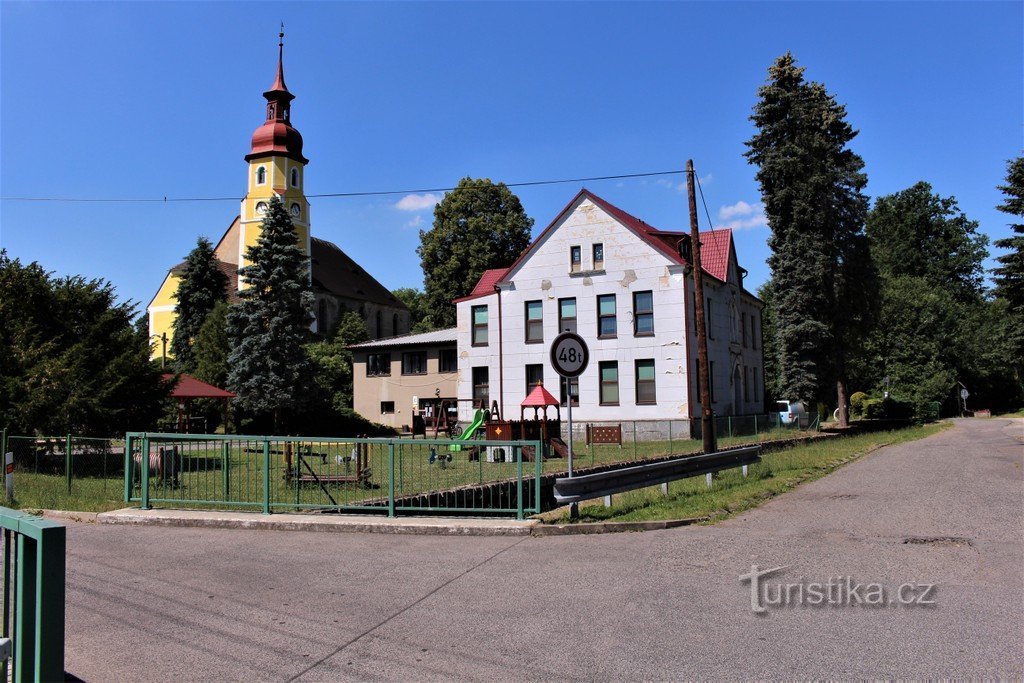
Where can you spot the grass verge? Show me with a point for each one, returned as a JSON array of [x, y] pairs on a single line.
[[731, 493]]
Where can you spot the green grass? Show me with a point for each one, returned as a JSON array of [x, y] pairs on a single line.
[[731, 493], [1018, 413], [202, 482]]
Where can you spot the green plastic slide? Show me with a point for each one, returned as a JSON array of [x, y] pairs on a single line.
[[467, 434]]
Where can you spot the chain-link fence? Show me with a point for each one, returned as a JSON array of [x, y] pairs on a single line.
[[66, 472]]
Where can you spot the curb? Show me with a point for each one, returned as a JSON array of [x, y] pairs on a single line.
[[432, 526], [583, 529], [68, 515]]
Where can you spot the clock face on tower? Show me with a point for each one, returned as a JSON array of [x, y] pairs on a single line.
[[261, 208], [296, 210]]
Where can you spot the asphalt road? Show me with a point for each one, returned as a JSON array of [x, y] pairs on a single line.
[[189, 604]]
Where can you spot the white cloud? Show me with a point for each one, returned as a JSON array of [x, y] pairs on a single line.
[[417, 202], [744, 216], [678, 187], [706, 180], [416, 222]]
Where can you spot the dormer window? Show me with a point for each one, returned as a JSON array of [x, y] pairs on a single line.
[[261, 176], [295, 177]]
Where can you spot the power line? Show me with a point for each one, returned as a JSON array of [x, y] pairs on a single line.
[[376, 193], [711, 224]]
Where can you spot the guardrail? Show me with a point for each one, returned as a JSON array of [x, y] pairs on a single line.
[[588, 486], [378, 475], [34, 587]]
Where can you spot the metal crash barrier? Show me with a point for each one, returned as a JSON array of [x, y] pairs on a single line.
[[589, 486]]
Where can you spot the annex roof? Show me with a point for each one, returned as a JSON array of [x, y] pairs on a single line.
[[445, 336], [190, 387], [539, 397], [485, 285]]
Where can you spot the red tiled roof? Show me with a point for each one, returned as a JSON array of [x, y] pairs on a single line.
[[190, 387], [485, 285], [715, 249], [539, 397]]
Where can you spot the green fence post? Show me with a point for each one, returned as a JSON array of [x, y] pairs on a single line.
[[67, 461], [266, 476], [538, 464], [538, 455], [391, 479], [127, 468], [144, 474], [225, 454]]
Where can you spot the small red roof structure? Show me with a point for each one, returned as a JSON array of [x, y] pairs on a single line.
[[539, 397], [190, 387], [485, 285]]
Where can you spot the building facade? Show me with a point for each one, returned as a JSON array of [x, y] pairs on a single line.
[[277, 167], [396, 378], [626, 288]]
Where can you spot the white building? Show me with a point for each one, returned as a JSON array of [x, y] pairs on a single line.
[[625, 287]]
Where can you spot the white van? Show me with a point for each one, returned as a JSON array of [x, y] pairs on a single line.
[[791, 412]]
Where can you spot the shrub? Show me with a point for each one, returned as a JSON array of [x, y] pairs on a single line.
[[857, 403], [887, 409]]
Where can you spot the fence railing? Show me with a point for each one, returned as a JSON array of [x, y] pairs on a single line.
[[33, 597], [382, 475]]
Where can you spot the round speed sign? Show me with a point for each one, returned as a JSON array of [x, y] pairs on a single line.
[[569, 355]]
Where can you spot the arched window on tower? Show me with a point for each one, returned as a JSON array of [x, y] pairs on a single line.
[[394, 324], [380, 332], [295, 177], [261, 176]]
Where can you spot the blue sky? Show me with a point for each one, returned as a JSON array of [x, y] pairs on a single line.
[[160, 99]]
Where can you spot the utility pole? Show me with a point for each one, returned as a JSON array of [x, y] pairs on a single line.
[[163, 356], [707, 420]]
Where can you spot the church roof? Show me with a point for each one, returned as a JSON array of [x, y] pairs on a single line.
[[336, 272]]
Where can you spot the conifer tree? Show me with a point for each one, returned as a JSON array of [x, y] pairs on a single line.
[[268, 329], [812, 186], [202, 285], [1009, 276], [212, 347]]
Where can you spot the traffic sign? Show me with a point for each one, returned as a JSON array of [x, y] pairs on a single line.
[[569, 355]]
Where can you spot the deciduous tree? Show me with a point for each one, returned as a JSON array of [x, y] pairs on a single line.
[[477, 226]]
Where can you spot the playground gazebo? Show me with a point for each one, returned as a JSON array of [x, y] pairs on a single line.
[[187, 389], [539, 398]]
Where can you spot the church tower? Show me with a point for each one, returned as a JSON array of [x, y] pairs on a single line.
[[276, 166]]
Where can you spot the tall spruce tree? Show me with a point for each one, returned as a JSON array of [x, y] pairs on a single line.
[[269, 328], [202, 285], [812, 187], [212, 347], [477, 226], [1009, 275]]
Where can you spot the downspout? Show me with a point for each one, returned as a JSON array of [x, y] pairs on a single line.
[[501, 360]]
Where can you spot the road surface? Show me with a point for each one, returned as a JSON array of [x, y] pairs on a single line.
[[198, 604]]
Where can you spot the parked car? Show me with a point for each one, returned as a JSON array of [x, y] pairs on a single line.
[[791, 412]]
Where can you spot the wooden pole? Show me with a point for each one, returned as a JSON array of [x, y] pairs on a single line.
[[707, 421]]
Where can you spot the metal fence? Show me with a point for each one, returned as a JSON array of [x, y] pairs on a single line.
[[33, 598], [385, 476], [58, 471]]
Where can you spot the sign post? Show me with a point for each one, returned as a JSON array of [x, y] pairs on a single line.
[[569, 358]]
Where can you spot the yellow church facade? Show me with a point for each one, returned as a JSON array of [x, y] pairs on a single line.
[[276, 166]]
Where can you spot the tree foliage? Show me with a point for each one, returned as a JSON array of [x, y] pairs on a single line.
[[201, 286], [1009, 275], [333, 361], [477, 226], [268, 329], [419, 311], [812, 187], [917, 233], [212, 346], [72, 359]]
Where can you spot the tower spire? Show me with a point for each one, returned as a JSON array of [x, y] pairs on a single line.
[[279, 81]]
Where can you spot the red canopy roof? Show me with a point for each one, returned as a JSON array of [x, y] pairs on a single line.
[[190, 387], [539, 397]]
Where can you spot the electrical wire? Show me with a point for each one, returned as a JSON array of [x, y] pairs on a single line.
[[711, 224], [331, 195]]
